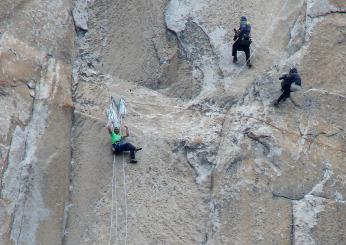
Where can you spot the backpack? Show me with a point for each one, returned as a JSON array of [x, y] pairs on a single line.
[[297, 83], [245, 28], [295, 87]]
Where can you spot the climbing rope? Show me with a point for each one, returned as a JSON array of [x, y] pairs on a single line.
[[125, 198], [114, 203], [114, 196]]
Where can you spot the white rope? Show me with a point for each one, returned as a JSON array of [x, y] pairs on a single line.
[[125, 194], [114, 196]]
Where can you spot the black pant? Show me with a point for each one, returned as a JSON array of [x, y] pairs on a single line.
[[118, 148], [285, 94], [238, 46]]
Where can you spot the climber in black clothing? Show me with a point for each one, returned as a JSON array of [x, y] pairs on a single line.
[[242, 40], [289, 80]]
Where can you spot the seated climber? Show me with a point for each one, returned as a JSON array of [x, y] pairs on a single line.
[[242, 40], [118, 144], [291, 83]]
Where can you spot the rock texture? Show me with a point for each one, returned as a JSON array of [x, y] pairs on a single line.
[[36, 50], [220, 164]]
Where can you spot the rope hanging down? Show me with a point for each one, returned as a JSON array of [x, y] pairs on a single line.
[[125, 197], [116, 114], [114, 194]]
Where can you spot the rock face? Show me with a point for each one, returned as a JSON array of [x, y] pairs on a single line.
[[220, 164], [36, 50]]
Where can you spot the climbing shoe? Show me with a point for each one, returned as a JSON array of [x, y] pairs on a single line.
[[276, 104], [235, 60], [139, 148], [133, 161], [248, 63]]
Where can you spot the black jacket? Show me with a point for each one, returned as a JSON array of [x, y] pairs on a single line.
[[288, 79]]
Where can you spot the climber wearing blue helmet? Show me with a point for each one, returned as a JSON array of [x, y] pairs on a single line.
[[242, 40], [245, 28]]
